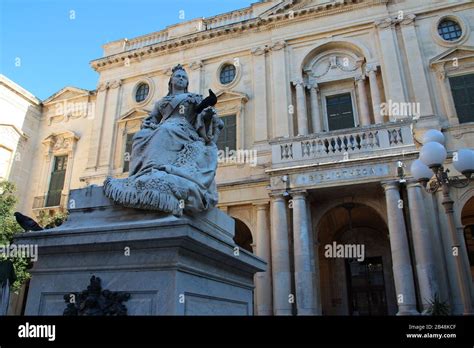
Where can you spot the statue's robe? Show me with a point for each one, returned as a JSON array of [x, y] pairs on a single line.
[[171, 169]]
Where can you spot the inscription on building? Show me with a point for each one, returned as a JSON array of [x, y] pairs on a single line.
[[342, 174]]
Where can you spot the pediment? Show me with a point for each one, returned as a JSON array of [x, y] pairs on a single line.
[[285, 6], [67, 93], [226, 96], [459, 53], [65, 135], [60, 142], [135, 113]]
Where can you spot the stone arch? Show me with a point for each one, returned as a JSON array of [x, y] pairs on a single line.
[[339, 275], [243, 235], [461, 202], [346, 44], [322, 210]]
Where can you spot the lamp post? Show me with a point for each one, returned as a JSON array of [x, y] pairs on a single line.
[[432, 156]]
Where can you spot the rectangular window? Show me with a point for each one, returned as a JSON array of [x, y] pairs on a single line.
[[128, 152], [462, 88], [228, 137], [339, 111], [56, 183]]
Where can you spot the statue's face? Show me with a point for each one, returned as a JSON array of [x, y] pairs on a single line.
[[179, 80]]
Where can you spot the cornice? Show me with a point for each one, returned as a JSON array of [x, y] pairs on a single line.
[[210, 35]]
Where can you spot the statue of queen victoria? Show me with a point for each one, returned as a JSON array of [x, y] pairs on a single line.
[[174, 155]]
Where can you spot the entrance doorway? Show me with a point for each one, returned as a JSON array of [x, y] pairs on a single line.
[[355, 283], [366, 287]]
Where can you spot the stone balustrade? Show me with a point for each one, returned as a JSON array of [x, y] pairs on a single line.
[[346, 144], [146, 40]]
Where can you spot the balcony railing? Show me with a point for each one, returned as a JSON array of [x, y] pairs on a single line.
[[344, 144], [50, 200]]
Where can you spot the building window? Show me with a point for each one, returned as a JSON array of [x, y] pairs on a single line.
[[227, 74], [228, 137], [128, 152], [56, 184], [449, 30], [142, 92], [462, 88], [339, 111]]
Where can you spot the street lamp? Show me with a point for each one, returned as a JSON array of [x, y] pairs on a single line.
[[432, 156]]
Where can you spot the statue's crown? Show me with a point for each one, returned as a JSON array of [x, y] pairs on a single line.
[[176, 68]]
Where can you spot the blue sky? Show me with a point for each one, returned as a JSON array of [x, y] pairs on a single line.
[[43, 49]]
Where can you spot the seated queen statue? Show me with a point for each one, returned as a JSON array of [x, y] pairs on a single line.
[[174, 155]]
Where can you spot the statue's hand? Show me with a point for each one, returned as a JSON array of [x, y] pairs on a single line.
[[209, 112]]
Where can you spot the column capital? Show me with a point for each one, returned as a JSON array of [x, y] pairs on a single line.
[[198, 64], [408, 19], [312, 86], [299, 194], [261, 205], [412, 182], [385, 23], [276, 46], [359, 78], [103, 86], [371, 68], [259, 50], [390, 185], [298, 83], [278, 195], [115, 83]]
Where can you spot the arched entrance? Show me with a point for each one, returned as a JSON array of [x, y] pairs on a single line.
[[467, 219], [243, 236], [355, 262]]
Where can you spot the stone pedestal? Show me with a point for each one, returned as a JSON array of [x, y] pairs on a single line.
[[170, 265]]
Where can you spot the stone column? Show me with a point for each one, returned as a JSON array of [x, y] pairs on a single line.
[[392, 66], [415, 67], [402, 270], [195, 76], [97, 125], [315, 115], [422, 245], [374, 92], [109, 131], [280, 91], [456, 302], [305, 277], [263, 280], [446, 96], [363, 103], [260, 87], [280, 257], [301, 108]]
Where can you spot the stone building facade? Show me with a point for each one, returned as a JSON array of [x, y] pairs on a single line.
[[328, 101]]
